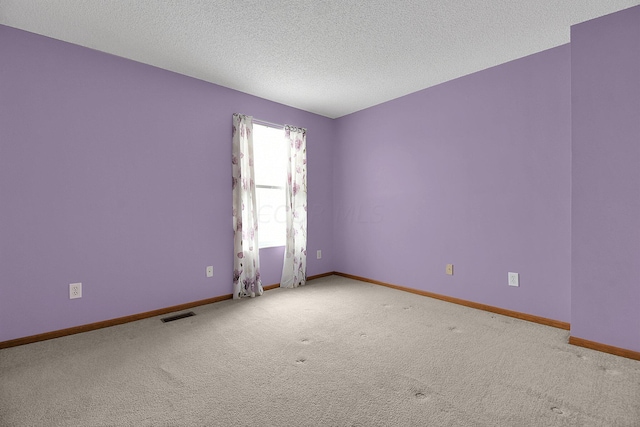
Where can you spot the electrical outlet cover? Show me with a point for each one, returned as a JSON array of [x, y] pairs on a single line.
[[514, 279], [75, 290], [449, 269], [210, 271]]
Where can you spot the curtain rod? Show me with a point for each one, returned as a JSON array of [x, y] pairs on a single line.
[[265, 123]]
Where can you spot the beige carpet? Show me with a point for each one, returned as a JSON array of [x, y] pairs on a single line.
[[336, 352]]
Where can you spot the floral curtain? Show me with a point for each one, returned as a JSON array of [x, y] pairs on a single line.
[[294, 270], [246, 255]]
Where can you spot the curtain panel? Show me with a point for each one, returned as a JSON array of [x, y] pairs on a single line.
[[246, 253], [294, 270]]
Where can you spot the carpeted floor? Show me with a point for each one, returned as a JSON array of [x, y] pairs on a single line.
[[336, 352]]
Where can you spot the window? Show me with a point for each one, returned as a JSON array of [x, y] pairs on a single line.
[[270, 167]]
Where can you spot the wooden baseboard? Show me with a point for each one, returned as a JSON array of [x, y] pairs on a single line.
[[111, 322], [126, 319], [605, 348], [492, 309], [317, 276]]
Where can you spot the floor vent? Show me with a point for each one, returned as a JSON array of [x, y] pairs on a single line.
[[177, 317]]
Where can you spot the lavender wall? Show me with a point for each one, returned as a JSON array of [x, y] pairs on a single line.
[[117, 175], [606, 179], [473, 172]]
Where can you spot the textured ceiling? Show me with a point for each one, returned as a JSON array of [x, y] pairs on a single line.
[[330, 57]]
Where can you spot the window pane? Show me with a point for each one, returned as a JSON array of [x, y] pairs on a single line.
[[270, 155], [271, 217]]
